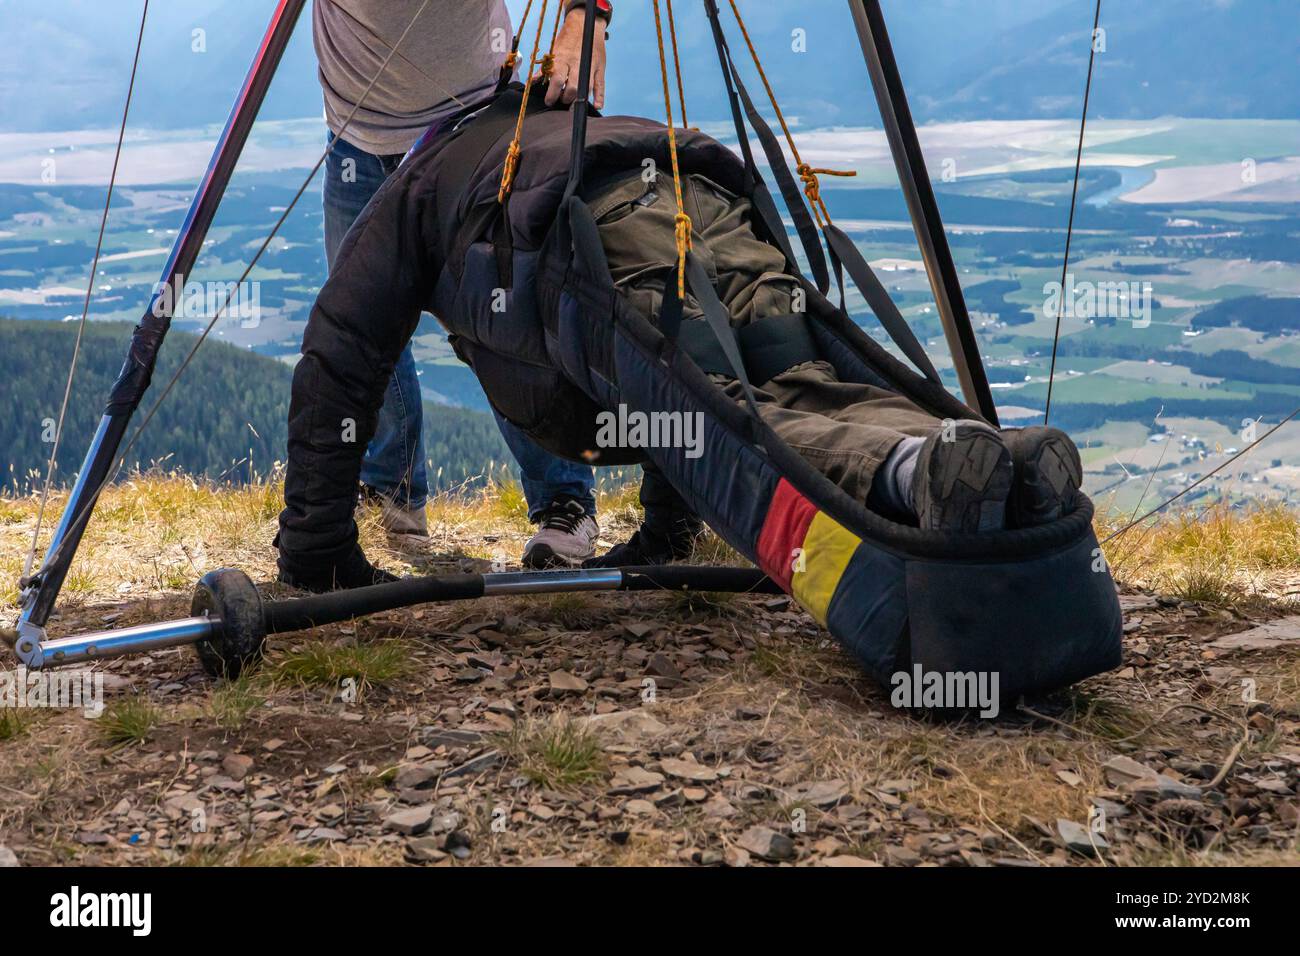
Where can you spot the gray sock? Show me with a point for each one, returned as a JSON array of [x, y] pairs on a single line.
[[891, 487]]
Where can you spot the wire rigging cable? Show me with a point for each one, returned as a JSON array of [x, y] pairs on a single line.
[[85, 305], [1074, 195]]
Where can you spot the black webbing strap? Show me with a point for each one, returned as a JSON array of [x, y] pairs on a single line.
[[715, 315], [846, 257], [790, 191], [469, 146], [742, 135], [577, 152], [754, 186]]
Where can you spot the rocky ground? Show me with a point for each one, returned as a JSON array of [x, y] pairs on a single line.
[[638, 729]]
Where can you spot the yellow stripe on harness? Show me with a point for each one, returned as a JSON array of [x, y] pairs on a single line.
[[827, 549]]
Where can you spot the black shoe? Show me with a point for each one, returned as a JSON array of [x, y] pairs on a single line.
[[650, 547], [354, 571], [961, 484], [1048, 474]]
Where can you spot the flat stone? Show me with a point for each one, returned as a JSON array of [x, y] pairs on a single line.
[[661, 665], [477, 765], [845, 859], [410, 822], [1123, 770], [821, 793], [562, 682], [1079, 839], [766, 844], [416, 776], [902, 856], [1164, 788], [719, 808], [237, 766], [321, 835], [688, 770], [425, 850], [1273, 634], [635, 780], [625, 726], [436, 737]]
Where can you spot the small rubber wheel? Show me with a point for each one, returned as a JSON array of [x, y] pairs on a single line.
[[231, 598]]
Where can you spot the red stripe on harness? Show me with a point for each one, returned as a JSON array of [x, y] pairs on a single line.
[[784, 529]]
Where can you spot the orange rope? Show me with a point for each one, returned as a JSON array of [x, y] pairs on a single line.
[[512, 154], [682, 222], [512, 58], [548, 61], [677, 63], [809, 174]]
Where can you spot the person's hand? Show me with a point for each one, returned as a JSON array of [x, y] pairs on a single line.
[[563, 86]]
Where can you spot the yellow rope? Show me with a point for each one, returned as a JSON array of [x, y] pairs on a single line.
[[512, 58], [682, 223], [677, 63], [809, 174], [512, 154], [548, 61]]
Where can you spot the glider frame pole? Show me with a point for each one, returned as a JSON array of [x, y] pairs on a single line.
[[40, 591], [296, 614], [921, 206]]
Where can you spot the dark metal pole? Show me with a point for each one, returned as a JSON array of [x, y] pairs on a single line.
[[42, 589], [296, 614], [921, 206]]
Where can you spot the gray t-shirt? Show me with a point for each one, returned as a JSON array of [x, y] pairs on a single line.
[[450, 57]]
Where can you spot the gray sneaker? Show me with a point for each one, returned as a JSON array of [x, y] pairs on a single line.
[[566, 536], [961, 484]]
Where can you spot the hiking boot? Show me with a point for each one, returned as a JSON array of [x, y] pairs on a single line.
[[1048, 474], [354, 571], [650, 545], [407, 527], [961, 484], [566, 536]]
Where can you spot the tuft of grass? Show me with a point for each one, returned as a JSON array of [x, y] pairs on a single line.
[[506, 500], [14, 722], [1214, 555], [558, 753], [128, 721], [232, 703], [1204, 582], [369, 665]]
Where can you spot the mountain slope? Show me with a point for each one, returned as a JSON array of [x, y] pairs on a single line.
[[960, 59], [230, 407]]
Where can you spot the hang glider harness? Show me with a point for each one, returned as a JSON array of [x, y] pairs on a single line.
[[229, 620]]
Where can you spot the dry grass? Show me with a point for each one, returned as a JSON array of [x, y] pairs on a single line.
[[1217, 555]]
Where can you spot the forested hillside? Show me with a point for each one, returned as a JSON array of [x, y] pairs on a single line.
[[227, 410]]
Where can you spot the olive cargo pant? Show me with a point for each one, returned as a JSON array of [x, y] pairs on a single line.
[[845, 430]]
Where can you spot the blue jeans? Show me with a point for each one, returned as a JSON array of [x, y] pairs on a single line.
[[394, 464]]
